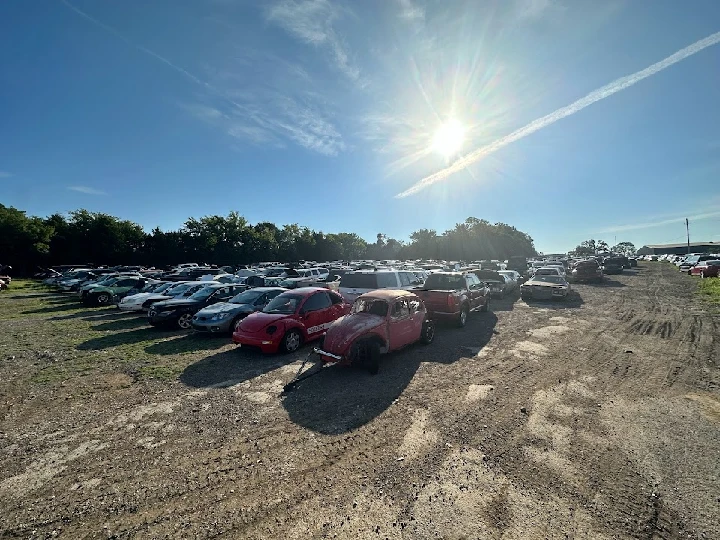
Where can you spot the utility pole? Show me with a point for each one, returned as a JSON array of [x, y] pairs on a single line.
[[687, 228]]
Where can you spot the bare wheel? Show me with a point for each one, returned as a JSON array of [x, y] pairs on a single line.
[[184, 321], [102, 299], [428, 332], [291, 341], [462, 319]]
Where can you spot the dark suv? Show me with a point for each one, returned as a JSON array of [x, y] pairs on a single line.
[[588, 270], [613, 265]]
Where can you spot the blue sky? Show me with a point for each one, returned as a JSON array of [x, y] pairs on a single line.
[[321, 112]]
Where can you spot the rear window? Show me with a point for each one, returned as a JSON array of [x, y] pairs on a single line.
[[444, 282], [359, 281]]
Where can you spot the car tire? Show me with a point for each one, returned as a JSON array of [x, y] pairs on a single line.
[[702, 275], [291, 341], [372, 357], [463, 317], [103, 299], [428, 333], [184, 321]]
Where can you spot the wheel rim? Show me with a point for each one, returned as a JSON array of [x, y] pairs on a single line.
[[292, 341], [237, 324], [463, 317], [184, 320], [429, 333], [102, 298]]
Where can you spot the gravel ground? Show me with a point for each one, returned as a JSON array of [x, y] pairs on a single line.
[[594, 418]]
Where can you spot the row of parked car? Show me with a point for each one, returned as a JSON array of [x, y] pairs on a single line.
[[705, 265], [372, 312]]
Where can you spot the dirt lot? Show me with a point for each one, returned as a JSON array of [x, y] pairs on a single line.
[[598, 418]]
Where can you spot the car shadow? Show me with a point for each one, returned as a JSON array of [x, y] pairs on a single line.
[[506, 303], [233, 367], [119, 323], [57, 307], [573, 300], [87, 314], [188, 343], [123, 338], [339, 399]]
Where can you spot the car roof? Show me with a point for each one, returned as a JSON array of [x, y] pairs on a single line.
[[307, 291], [387, 294], [266, 289]]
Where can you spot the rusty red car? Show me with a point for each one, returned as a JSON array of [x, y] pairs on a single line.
[[381, 321], [706, 269], [290, 319]]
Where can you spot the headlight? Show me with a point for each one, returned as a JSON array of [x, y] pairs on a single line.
[[219, 316]]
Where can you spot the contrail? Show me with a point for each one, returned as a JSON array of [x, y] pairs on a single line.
[[138, 47], [593, 97]]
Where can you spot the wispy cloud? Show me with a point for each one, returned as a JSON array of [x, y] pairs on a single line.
[[536, 125], [313, 23], [248, 115], [532, 9], [411, 11], [87, 190], [660, 223], [5, 174]]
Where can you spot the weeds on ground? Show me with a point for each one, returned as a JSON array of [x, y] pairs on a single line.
[[710, 289]]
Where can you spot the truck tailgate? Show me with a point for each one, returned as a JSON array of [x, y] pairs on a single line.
[[436, 300]]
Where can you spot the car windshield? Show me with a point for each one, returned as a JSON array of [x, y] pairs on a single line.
[[445, 282], [177, 289], [203, 294], [284, 303], [549, 279], [546, 272], [371, 306], [108, 281], [247, 297]]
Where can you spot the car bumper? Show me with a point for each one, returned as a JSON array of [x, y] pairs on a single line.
[[267, 344], [443, 315], [213, 327], [545, 293], [161, 318]]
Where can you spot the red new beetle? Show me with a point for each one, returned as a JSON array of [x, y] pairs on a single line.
[[381, 321], [706, 269], [290, 319]]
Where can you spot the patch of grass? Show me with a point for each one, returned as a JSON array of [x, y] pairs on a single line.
[[710, 289], [163, 373], [28, 285]]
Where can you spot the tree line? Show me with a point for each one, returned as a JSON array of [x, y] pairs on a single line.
[[592, 246], [84, 237]]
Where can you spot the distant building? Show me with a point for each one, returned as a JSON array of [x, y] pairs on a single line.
[[680, 249]]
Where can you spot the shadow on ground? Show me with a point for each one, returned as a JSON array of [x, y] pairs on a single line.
[[506, 303], [233, 367], [340, 399], [118, 323], [573, 300], [123, 338], [193, 342]]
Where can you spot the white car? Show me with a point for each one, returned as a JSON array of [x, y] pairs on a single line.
[[512, 278], [141, 301], [550, 271]]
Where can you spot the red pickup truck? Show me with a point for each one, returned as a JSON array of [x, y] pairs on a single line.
[[453, 295]]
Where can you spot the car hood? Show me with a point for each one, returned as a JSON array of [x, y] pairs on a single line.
[[171, 304], [259, 320], [226, 307], [544, 284], [138, 298], [347, 329]]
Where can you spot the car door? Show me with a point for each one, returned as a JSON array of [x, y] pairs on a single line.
[[401, 325], [317, 314], [471, 282]]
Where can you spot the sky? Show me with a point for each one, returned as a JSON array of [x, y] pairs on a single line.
[[567, 119]]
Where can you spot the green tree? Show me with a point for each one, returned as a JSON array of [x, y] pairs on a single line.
[[626, 248]]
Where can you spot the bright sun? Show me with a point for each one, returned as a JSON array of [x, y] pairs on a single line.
[[449, 138]]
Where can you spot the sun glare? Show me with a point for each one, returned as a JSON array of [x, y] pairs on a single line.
[[449, 138]]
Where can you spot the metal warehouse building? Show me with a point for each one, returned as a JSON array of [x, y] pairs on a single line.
[[680, 249]]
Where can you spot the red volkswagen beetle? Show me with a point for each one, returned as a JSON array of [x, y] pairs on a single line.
[[706, 269], [291, 319], [381, 321]]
